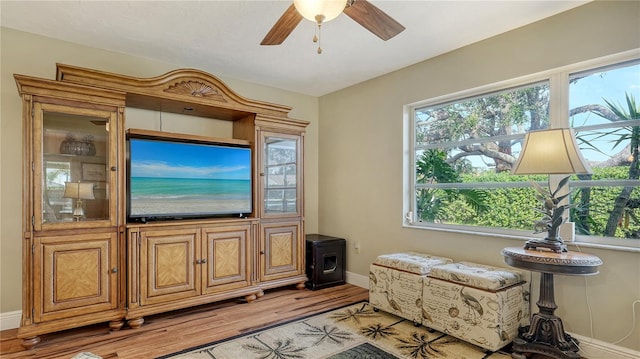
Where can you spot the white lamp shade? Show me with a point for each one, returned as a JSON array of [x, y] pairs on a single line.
[[330, 9], [78, 190], [551, 151]]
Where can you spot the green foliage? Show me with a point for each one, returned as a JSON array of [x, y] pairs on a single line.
[[433, 168], [515, 208], [623, 208], [601, 204]]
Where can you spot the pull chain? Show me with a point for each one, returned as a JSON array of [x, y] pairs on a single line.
[[316, 37]]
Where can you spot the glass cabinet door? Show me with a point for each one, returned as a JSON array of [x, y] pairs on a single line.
[[281, 191], [72, 162]]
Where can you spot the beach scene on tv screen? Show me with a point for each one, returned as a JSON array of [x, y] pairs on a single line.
[[187, 179]]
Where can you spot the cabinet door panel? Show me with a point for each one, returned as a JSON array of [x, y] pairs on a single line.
[[73, 164], [168, 265], [280, 175], [280, 250], [77, 275], [226, 258]]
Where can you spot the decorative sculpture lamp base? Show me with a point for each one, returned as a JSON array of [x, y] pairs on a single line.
[[555, 246], [546, 333]]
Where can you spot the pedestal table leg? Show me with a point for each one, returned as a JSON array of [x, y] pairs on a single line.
[[546, 334]]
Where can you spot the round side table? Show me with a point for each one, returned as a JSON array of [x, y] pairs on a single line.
[[546, 334]]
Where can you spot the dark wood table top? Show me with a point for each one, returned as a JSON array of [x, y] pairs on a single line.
[[542, 260]]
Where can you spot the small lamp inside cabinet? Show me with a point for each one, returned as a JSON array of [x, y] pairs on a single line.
[[78, 191]]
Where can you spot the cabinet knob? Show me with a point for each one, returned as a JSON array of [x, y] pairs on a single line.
[[113, 168], [262, 174], [114, 270], [203, 261], [261, 252], [198, 261]]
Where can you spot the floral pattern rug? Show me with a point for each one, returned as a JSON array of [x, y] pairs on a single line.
[[356, 331]]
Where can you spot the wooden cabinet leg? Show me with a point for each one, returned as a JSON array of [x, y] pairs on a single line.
[[300, 286], [250, 298], [30, 342], [116, 324], [260, 294], [136, 322]]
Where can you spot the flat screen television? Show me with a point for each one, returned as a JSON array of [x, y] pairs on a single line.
[[177, 179]]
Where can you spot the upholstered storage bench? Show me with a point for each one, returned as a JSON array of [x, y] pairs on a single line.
[[480, 304], [395, 283]]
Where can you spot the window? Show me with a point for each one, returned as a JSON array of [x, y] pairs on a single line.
[[462, 148], [604, 112]]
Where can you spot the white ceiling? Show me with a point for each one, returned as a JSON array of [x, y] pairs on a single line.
[[223, 37]]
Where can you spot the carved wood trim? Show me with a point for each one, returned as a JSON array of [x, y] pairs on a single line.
[[43, 88], [196, 89], [174, 91]]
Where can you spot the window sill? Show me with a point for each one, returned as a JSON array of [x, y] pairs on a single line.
[[522, 236]]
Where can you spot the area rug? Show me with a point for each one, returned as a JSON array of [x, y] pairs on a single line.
[[356, 331]]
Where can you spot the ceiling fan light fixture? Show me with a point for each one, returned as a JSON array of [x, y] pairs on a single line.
[[325, 10]]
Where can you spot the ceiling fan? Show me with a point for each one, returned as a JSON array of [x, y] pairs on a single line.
[[320, 11]]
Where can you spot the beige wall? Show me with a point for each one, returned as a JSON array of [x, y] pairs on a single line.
[[361, 151], [27, 54]]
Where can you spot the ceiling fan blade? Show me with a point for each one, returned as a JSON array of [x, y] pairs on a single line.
[[373, 19], [283, 27]]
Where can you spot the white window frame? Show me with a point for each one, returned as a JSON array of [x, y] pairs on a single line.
[[558, 80]]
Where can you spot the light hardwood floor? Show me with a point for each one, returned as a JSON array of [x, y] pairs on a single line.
[[171, 332]]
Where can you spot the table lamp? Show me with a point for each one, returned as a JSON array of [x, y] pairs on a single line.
[[78, 191], [551, 151]]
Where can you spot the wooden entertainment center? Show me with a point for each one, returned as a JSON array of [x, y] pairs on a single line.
[[84, 263]]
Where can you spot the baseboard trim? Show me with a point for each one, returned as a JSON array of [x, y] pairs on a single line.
[[10, 320], [596, 349], [357, 280], [589, 348]]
